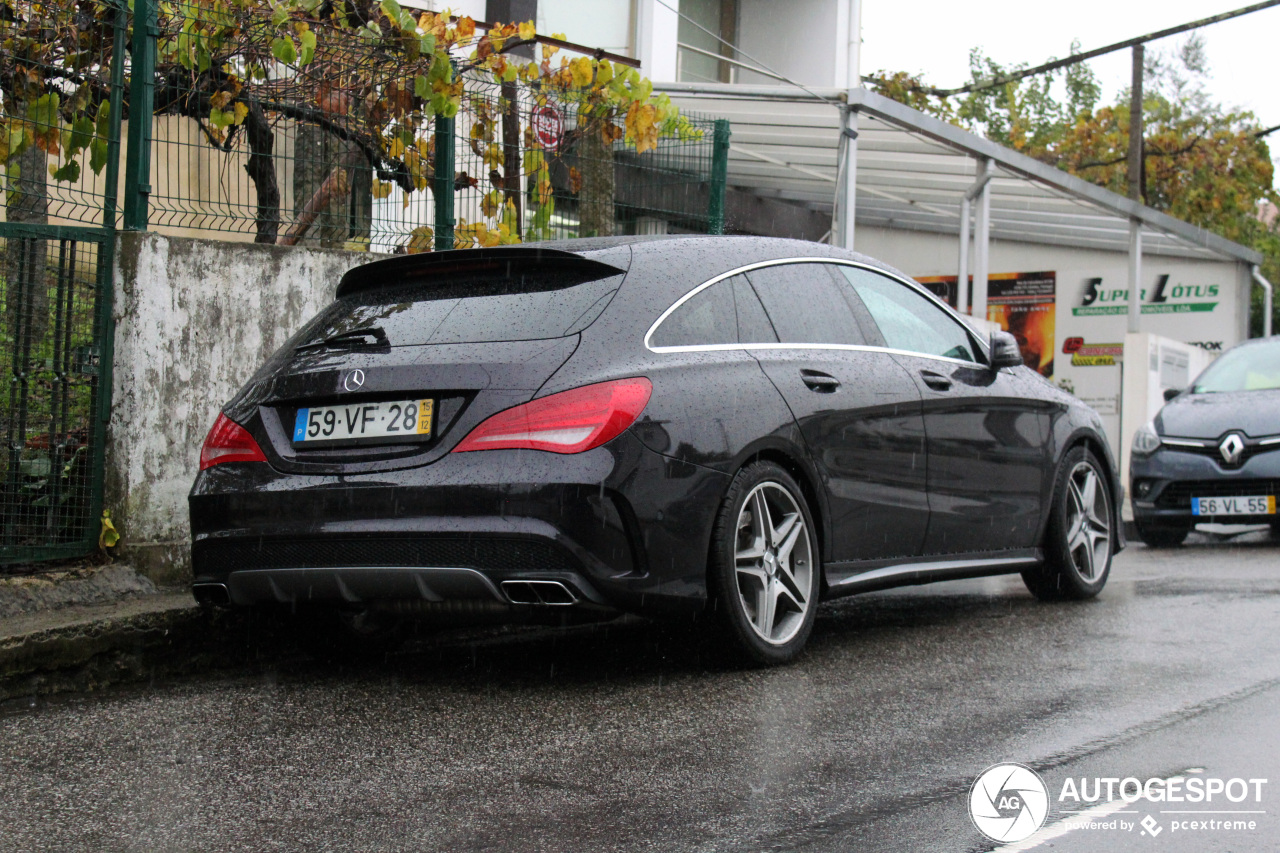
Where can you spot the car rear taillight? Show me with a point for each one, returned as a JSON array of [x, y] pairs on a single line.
[[229, 442], [568, 422]]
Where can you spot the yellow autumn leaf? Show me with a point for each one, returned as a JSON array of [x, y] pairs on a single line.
[[420, 240], [381, 189], [240, 112], [527, 30], [581, 70]]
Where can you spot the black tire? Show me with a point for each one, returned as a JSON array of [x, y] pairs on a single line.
[[787, 577], [1081, 537], [1161, 536]]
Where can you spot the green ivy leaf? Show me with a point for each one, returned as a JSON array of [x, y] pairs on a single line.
[[284, 50], [279, 16], [391, 9], [421, 87], [97, 154], [81, 134], [44, 112], [308, 40], [70, 171]]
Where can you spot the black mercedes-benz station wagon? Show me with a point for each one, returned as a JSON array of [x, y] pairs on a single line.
[[732, 425]]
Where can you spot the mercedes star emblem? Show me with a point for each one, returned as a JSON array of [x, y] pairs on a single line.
[[354, 380]]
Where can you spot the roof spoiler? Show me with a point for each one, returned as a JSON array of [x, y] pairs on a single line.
[[445, 267]]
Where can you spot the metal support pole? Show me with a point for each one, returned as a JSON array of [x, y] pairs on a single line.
[[986, 171], [443, 186], [1267, 294], [1135, 273], [981, 243], [962, 275], [719, 177], [142, 88], [1135, 127], [849, 196], [115, 107]]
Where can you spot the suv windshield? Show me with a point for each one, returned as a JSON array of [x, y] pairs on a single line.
[[1252, 367]]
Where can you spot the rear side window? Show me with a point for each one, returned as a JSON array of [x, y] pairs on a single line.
[[907, 319], [727, 312], [470, 310], [806, 305]]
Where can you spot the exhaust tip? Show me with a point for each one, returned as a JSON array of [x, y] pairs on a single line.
[[550, 593], [211, 594]]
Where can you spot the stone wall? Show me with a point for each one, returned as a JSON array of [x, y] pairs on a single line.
[[194, 318]]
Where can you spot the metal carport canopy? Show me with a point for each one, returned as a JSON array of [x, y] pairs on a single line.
[[912, 171]]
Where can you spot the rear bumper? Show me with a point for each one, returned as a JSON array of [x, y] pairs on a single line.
[[619, 527]]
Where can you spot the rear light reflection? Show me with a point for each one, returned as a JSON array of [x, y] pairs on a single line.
[[229, 442], [568, 422]]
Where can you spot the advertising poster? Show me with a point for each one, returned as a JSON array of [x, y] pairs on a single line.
[[1022, 303]]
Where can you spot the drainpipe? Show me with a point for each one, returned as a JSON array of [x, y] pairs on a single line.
[[1266, 300]]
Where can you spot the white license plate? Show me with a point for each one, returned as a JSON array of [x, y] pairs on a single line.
[[1255, 505], [393, 419]]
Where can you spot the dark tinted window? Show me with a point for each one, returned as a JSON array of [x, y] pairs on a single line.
[[706, 318], [753, 323], [806, 305], [499, 308], [908, 320]]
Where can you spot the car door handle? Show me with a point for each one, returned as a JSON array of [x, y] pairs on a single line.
[[936, 381], [818, 381]]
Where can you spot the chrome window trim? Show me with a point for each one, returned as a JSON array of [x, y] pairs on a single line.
[[914, 285]]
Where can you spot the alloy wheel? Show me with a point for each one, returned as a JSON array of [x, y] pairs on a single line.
[[773, 561], [1088, 521]]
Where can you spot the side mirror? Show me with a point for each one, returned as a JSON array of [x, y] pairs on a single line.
[[1004, 351], [1170, 393]]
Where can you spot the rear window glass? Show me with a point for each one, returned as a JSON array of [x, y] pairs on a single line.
[[474, 310], [805, 305], [727, 312]]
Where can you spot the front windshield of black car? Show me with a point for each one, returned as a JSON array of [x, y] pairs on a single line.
[[1255, 367]]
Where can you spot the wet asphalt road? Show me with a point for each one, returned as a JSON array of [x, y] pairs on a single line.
[[626, 738]]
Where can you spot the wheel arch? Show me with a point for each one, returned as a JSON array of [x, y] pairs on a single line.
[[1098, 447], [792, 462]]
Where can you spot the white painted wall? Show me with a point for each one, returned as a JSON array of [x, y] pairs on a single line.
[[194, 319], [803, 40], [1153, 364], [657, 28], [924, 254]]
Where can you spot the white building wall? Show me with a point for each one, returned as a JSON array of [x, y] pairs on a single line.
[[799, 39], [657, 28]]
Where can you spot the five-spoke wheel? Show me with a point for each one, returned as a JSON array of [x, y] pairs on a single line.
[[1080, 538], [765, 564]]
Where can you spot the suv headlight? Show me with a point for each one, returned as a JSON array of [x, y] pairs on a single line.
[[1145, 441]]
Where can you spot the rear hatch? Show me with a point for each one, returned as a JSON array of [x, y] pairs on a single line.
[[411, 357]]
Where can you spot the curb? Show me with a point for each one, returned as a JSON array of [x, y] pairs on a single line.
[[86, 648]]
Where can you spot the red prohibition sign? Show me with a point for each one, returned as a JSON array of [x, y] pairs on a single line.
[[548, 126]]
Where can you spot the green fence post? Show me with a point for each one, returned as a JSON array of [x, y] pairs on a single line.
[[444, 183], [719, 177], [142, 90], [110, 184]]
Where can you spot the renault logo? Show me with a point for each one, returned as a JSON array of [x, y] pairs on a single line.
[[1231, 448], [355, 379]]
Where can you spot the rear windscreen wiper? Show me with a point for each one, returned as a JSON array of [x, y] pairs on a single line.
[[371, 338]]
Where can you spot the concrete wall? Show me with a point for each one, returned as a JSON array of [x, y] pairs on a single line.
[[194, 319], [799, 39]]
